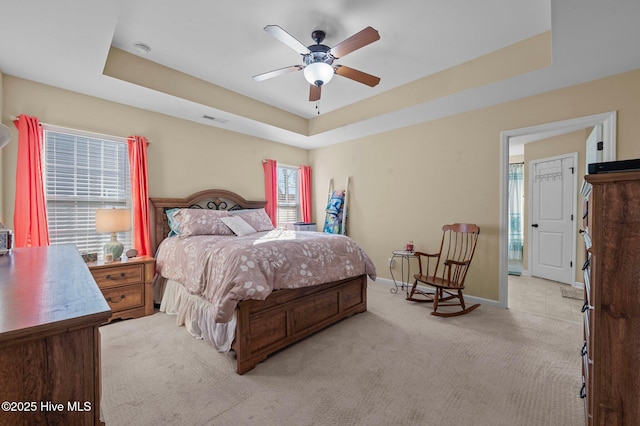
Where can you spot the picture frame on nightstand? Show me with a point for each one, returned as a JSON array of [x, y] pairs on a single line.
[[6, 241]]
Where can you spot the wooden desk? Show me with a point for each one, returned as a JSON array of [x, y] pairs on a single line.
[[50, 310]]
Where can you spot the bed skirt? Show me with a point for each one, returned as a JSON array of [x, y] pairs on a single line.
[[260, 328], [195, 314]]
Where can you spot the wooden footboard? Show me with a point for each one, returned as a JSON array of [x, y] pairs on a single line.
[[287, 316]]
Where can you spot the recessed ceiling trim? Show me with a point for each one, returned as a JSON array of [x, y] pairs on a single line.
[[142, 72]]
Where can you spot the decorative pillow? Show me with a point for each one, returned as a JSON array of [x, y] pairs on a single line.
[[238, 225], [201, 222], [174, 227], [258, 220]]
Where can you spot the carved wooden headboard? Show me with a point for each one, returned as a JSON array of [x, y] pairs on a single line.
[[214, 199]]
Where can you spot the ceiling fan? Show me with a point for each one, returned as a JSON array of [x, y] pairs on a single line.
[[318, 59]]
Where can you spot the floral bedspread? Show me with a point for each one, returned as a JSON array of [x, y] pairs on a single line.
[[228, 269]]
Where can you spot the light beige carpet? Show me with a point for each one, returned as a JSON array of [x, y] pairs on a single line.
[[393, 365]]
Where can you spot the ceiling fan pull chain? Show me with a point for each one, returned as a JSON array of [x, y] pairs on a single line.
[[318, 106]]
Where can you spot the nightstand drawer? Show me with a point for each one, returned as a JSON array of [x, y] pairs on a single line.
[[118, 275], [126, 285], [122, 298]]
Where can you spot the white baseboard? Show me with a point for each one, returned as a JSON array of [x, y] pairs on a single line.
[[467, 298]]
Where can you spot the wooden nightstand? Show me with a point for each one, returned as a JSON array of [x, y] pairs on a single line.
[[126, 285]]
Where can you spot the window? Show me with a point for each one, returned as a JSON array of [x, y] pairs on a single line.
[[84, 173], [288, 197]]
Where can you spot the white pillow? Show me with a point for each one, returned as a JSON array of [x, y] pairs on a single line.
[[238, 225], [258, 219]]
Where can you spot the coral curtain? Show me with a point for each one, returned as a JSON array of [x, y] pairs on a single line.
[[271, 189], [304, 181], [140, 194], [30, 226]]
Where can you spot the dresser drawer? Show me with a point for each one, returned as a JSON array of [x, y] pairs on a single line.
[[126, 297], [118, 275]]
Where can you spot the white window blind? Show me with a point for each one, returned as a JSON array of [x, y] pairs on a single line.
[[83, 174], [288, 197]]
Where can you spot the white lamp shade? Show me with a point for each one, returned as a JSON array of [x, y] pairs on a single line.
[[318, 73], [113, 220]]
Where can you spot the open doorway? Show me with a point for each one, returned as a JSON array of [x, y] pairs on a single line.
[[532, 134]]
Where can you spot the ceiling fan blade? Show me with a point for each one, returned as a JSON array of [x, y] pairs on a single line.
[[275, 73], [286, 38], [359, 76], [314, 92], [355, 42]]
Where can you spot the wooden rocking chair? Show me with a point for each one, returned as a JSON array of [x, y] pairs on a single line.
[[447, 269]]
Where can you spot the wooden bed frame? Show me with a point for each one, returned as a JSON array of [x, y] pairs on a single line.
[[285, 316]]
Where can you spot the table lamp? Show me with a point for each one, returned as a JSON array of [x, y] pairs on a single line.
[[5, 135], [113, 221]]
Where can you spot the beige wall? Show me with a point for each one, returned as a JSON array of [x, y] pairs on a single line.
[[407, 183], [552, 147], [183, 157]]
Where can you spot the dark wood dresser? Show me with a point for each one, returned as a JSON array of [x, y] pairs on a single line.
[[50, 310], [611, 351]]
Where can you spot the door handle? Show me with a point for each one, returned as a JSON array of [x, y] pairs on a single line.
[[535, 225]]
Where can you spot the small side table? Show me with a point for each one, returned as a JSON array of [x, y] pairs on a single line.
[[127, 285], [405, 256]]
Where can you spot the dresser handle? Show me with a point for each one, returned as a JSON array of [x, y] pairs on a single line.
[[583, 391], [109, 277], [122, 296], [583, 351], [586, 264]]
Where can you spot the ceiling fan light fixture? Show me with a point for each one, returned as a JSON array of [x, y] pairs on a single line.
[[318, 73]]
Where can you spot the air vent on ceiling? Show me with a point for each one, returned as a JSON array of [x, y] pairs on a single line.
[[218, 120], [142, 48]]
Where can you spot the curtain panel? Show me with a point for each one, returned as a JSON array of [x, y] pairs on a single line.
[[304, 181], [30, 226], [140, 194], [516, 206], [271, 189]]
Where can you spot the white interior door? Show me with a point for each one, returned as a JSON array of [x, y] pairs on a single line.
[[552, 230]]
